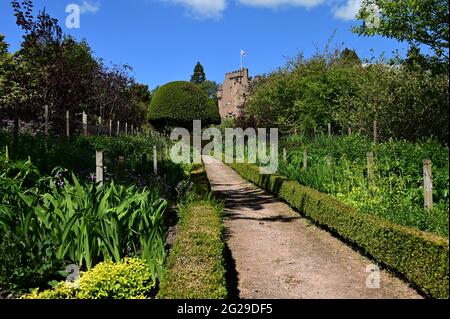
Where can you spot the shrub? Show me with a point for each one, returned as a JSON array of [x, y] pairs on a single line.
[[195, 267], [57, 219], [128, 279], [213, 112], [420, 257], [395, 191], [178, 104]]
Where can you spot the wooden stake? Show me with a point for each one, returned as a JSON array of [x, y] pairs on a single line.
[[375, 132], [305, 159], [427, 185], [68, 124], [329, 129], [85, 128], [370, 166], [46, 119], [155, 161], [349, 131], [284, 154], [110, 127], [99, 167]]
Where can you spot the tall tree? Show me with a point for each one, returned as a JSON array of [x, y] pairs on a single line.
[[418, 22], [349, 57], [199, 74]]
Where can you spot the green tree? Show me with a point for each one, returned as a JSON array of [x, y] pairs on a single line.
[[418, 22], [210, 88], [349, 57], [199, 74], [178, 104]]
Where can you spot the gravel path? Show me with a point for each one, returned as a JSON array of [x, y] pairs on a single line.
[[278, 254]]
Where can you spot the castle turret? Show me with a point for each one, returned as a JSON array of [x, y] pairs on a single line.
[[233, 93]]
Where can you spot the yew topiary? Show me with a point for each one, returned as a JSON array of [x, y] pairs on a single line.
[[178, 104]]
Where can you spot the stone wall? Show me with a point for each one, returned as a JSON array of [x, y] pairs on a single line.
[[233, 93]]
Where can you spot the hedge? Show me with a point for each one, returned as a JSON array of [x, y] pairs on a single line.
[[195, 268], [178, 104], [420, 257]]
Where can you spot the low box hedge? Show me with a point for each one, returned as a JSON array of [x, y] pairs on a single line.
[[195, 267], [422, 258]]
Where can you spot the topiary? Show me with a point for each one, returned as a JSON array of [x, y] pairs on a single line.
[[178, 104], [213, 112]]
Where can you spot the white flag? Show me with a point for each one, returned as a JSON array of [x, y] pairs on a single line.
[[243, 53]]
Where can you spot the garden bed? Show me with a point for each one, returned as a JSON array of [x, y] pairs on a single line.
[[420, 257]]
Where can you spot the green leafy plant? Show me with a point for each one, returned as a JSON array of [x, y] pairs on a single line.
[[128, 279]]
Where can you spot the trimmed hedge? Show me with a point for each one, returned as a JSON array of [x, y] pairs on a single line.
[[422, 258], [195, 267], [213, 112], [178, 104]]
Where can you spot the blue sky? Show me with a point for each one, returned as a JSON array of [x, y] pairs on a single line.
[[163, 39]]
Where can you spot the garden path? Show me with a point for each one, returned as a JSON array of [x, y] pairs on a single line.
[[276, 253]]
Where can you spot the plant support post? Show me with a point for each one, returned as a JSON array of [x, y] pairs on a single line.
[[305, 159], [427, 185], [68, 124], [99, 167], [85, 128], [155, 161], [375, 132], [46, 119], [370, 166]]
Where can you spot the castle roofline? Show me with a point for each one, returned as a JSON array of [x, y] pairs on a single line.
[[237, 71]]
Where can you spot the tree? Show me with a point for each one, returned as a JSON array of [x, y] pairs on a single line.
[[199, 74], [418, 22], [54, 69], [178, 104], [349, 57], [210, 88]]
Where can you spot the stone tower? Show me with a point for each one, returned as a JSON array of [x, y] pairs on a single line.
[[233, 93]]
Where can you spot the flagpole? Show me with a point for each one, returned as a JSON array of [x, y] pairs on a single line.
[[241, 61]]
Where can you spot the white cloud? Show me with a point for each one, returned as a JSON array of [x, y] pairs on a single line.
[[203, 8], [279, 3], [348, 10], [89, 7], [341, 9]]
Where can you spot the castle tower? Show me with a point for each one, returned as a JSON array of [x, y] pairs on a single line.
[[233, 93]]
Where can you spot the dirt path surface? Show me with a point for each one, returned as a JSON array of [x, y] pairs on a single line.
[[279, 254]]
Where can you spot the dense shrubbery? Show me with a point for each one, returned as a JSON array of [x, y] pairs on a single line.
[[178, 104], [407, 102], [421, 257], [78, 155], [396, 189], [46, 222], [128, 279]]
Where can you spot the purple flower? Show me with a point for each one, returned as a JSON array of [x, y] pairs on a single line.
[[92, 178]]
